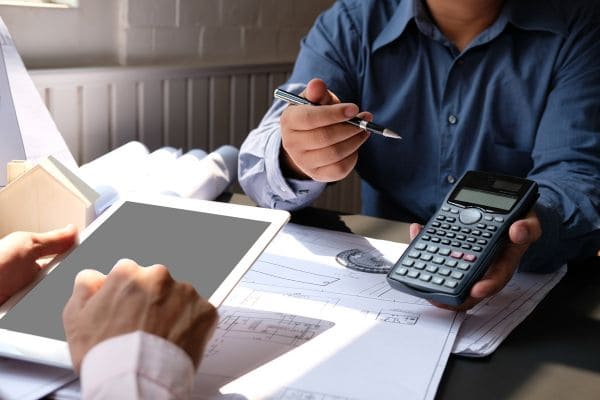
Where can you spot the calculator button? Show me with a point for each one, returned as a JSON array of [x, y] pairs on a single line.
[[469, 257], [441, 217], [486, 235], [469, 216], [482, 242], [420, 246], [445, 208], [455, 228], [456, 254], [426, 238], [425, 277], [481, 226], [450, 234], [498, 219], [414, 254], [451, 219], [466, 246], [471, 240], [444, 271], [413, 274], [488, 218], [456, 244], [431, 231], [435, 239], [439, 260], [457, 275], [451, 284], [436, 224], [465, 230], [445, 226], [461, 237], [445, 241], [454, 210], [477, 249], [476, 233], [437, 280], [432, 268], [420, 265], [451, 263], [445, 252], [464, 266], [441, 232], [401, 271], [426, 257], [408, 262], [492, 228], [432, 249]]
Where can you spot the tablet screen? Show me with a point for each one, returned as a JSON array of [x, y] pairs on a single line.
[[198, 247]]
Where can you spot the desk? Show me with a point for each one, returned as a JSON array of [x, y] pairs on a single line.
[[553, 354]]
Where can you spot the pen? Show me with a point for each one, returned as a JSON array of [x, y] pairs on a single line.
[[361, 123]]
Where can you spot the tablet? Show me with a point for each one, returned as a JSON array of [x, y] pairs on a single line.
[[209, 244]]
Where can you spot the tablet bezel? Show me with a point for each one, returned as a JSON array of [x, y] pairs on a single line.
[[55, 352]]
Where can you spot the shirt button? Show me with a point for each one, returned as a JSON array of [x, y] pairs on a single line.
[[450, 179], [452, 119]]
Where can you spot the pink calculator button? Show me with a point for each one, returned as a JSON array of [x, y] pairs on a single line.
[[469, 257]]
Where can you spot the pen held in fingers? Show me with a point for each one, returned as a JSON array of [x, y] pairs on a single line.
[[361, 123]]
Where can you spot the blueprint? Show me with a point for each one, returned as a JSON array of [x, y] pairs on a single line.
[[323, 330]]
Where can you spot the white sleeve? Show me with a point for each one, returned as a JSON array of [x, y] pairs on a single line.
[[137, 365]]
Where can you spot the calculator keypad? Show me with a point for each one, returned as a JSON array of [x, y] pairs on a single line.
[[447, 249]]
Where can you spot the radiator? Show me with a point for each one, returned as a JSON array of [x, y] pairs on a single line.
[[99, 109]]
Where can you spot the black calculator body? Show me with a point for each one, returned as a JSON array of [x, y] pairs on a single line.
[[459, 242]]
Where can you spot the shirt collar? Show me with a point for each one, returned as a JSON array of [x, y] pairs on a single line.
[[526, 15]]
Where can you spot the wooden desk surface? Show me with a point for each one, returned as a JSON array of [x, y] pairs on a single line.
[[553, 354]]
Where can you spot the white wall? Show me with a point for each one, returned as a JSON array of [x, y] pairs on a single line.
[[134, 32]]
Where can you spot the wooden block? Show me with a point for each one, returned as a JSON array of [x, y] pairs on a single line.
[[16, 168]]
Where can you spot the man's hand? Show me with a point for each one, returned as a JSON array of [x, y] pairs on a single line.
[[316, 143], [134, 298], [522, 234], [20, 252]]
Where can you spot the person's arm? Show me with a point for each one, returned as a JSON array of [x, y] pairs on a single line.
[[566, 154], [291, 173], [101, 315], [136, 365]]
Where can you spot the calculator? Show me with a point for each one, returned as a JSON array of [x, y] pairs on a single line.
[[459, 242]]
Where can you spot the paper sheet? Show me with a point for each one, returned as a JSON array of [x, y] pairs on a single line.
[[302, 326], [20, 380]]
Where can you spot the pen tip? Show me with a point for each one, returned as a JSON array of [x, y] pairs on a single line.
[[391, 134]]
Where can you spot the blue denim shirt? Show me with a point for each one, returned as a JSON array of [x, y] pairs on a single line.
[[522, 99]]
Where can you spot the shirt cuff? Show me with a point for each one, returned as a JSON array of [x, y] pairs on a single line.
[[294, 191], [137, 364]]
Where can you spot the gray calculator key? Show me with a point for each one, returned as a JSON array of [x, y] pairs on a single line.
[[432, 268], [420, 246], [445, 208], [445, 252], [486, 235], [413, 274], [437, 280], [457, 275], [439, 260], [444, 271], [464, 266], [426, 257], [446, 242], [420, 265], [401, 271], [477, 249], [451, 284], [425, 277], [414, 254], [451, 263], [407, 262], [435, 239], [432, 249], [498, 219]]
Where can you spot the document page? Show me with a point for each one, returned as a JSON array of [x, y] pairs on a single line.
[[301, 325]]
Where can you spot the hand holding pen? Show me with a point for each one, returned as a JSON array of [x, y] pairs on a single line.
[[319, 142]]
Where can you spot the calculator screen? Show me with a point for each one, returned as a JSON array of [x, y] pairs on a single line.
[[486, 199]]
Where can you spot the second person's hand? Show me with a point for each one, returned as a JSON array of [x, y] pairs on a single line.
[[316, 142]]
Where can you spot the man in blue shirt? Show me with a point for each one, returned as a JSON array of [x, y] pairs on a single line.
[[506, 86]]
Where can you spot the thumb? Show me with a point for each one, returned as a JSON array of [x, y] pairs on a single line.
[[53, 242], [525, 231], [316, 92], [87, 283], [414, 230]]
